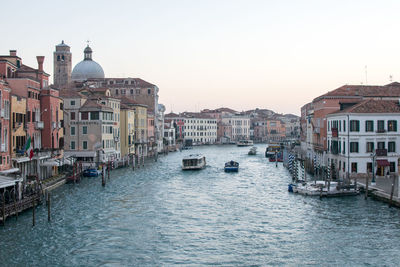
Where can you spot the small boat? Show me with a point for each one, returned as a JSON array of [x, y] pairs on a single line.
[[244, 143], [253, 151], [194, 162], [91, 172], [231, 166]]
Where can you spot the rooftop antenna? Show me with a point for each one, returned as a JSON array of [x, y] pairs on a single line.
[[366, 75], [391, 78]]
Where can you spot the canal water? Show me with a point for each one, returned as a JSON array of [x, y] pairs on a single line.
[[159, 215]]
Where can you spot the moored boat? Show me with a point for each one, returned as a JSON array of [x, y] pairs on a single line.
[[91, 172], [193, 162], [322, 188], [231, 166]]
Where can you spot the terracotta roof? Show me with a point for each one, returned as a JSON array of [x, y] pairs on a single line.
[[68, 93], [218, 110], [373, 106], [359, 91], [196, 115], [138, 83], [171, 115], [93, 105], [25, 68], [128, 101]]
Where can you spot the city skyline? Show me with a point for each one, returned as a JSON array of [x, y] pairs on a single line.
[[232, 54]]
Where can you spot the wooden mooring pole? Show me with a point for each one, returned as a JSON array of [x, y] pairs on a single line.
[[48, 206], [3, 209], [366, 186], [392, 191], [15, 205], [108, 170], [103, 181], [33, 211]]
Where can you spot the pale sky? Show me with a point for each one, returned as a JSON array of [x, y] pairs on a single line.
[[201, 54]]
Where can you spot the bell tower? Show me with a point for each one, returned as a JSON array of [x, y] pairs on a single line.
[[62, 65]]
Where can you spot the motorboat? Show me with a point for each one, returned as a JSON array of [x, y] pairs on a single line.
[[323, 188], [271, 150], [277, 157], [193, 162], [244, 143], [231, 166], [91, 172], [253, 151]]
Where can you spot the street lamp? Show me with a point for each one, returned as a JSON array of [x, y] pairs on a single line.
[[373, 155]]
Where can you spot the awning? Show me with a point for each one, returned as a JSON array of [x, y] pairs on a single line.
[[50, 163], [21, 159], [382, 162], [7, 181], [12, 170]]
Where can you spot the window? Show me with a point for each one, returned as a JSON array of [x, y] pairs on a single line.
[[381, 145], [344, 125], [353, 147], [392, 166], [354, 167], [370, 146], [84, 129], [84, 115], [381, 126], [354, 126], [72, 130], [94, 115], [149, 91], [72, 145], [116, 91], [344, 147], [132, 92], [369, 126], [391, 146], [72, 116], [84, 145], [392, 126], [72, 102]]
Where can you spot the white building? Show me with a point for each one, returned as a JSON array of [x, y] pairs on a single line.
[[240, 126], [358, 133], [200, 128]]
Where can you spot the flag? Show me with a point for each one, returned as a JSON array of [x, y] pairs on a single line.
[[29, 148]]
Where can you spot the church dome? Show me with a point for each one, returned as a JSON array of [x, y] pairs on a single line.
[[87, 68]]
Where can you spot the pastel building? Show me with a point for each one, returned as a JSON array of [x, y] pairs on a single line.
[[127, 131], [200, 128], [5, 157], [363, 139]]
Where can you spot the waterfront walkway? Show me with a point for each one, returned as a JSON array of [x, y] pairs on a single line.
[[382, 189]]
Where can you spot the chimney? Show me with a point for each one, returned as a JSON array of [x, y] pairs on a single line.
[[40, 60], [13, 53]]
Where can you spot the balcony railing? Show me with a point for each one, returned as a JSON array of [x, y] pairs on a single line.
[[39, 125], [381, 152]]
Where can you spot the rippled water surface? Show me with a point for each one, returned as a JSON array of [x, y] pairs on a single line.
[[160, 215]]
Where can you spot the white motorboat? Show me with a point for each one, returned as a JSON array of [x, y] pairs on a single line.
[[193, 162], [244, 143], [323, 188], [253, 151]]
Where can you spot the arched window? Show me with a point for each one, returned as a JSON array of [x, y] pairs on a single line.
[[58, 58]]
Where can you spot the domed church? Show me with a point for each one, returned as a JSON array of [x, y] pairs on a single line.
[[87, 68]]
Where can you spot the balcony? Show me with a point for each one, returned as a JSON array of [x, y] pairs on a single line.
[[39, 125], [3, 148], [381, 152], [2, 113]]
